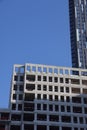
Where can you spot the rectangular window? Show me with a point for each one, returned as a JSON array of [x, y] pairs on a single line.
[[21, 78], [38, 106], [50, 107], [15, 78], [77, 109], [55, 79], [44, 78], [62, 108], [50, 88], [44, 96], [67, 89], [38, 87], [44, 106], [50, 79], [20, 97], [76, 90], [50, 98], [56, 98], [61, 89], [39, 78], [39, 96], [56, 88], [44, 88], [15, 87], [61, 80], [56, 108], [14, 96]]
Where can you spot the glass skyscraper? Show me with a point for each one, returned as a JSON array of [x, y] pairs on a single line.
[[78, 32]]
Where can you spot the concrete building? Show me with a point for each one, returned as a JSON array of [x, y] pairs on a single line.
[[4, 119], [48, 98], [78, 32]]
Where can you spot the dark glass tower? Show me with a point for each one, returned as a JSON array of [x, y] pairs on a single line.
[[78, 32]]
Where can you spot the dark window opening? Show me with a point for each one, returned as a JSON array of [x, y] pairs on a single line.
[[77, 109], [28, 117], [15, 127], [28, 106], [28, 127], [15, 117], [41, 127], [54, 118], [55, 79], [54, 128], [66, 119], [30, 78], [29, 97], [30, 87], [39, 78], [50, 79], [41, 117]]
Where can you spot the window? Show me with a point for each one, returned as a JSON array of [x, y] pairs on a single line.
[[21, 88], [50, 79], [50, 98], [81, 120], [13, 106], [61, 80], [85, 100], [62, 98], [44, 78], [38, 87], [21, 78], [66, 119], [85, 120], [38, 96], [76, 90], [53, 118], [39, 78], [76, 99], [67, 89], [55, 79], [77, 109], [38, 106], [68, 109], [67, 99], [67, 80], [56, 88], [61, 89], [44, 87], [44, 96], [44, 106], [15, 87], [15, 78], [41, 117], [30, 78], [85, 110], [19, 107], [62, 108], [14, 96], [56, 108], [50, 88], [75, 81], [84, 91], [20, 97], [50, 107], [56, 98], [75, 119]]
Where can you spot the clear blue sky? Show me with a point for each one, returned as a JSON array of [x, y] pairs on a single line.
[[32, 31]]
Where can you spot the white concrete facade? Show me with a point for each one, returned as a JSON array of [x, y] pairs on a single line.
[[48, 98]]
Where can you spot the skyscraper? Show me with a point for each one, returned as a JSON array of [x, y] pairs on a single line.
[[78, 32]]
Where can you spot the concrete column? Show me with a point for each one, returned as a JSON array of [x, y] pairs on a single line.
[[35, 127]]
